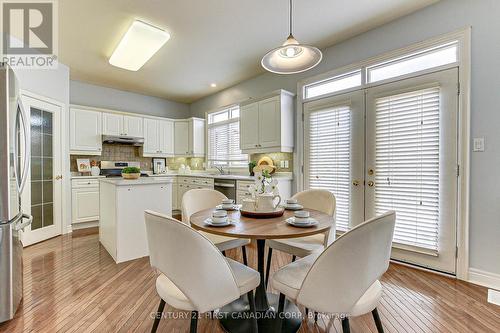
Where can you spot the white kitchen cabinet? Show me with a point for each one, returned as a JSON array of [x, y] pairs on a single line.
[[123, 125], [181, 139], [197, 137], [166, 137], [85, 132], [84, 200], [266, 124]]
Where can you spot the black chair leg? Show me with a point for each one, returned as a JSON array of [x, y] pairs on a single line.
[[224, 253], [280, 314], [194, 322], [307, 313], [378, 323], [315, 317], [293, 258], [158, 316], [346, 328], [245, 260], [251, 302], [268, 266]]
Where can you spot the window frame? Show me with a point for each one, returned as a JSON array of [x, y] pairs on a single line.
[[230, 109]]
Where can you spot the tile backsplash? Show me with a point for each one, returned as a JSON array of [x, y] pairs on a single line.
[[195, 163], [277, 158], [116, 152]]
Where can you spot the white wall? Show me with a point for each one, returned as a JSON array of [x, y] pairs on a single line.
[[443, 17], [109, 98]]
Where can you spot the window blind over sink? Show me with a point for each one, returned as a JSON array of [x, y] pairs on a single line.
[[329, 157], [407, 165]]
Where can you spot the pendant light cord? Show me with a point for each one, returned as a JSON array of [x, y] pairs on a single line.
[[291, 17]]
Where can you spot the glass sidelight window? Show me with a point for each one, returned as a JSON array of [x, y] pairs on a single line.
[[41, 168]]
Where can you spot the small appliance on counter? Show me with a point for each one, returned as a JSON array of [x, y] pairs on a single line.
[[114, 168]]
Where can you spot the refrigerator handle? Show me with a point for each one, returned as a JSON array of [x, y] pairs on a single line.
[[26, 223], [27, 147]]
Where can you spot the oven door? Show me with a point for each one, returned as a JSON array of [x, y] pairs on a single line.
[[226, 187]]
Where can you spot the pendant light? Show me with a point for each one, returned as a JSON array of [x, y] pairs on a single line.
[[292, 57]]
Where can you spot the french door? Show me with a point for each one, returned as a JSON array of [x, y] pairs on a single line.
[[42, 197], [392, 147]]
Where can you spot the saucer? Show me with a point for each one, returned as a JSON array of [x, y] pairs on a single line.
[[233, 207], [310, 222], [211, 223], [293, 207]]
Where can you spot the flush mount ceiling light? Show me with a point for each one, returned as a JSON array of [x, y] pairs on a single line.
[[138, 45], [213, 85], [292, 57]]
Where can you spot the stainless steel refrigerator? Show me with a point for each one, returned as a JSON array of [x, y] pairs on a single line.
[[14, 168]]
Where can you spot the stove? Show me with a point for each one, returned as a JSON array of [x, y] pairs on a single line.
[[114, 168]]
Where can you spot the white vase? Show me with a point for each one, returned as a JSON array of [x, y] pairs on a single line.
[[95, 171]]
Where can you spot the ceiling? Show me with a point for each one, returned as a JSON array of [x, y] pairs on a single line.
[[219, 41]]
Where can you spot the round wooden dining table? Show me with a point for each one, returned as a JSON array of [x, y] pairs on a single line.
[[233, 317]]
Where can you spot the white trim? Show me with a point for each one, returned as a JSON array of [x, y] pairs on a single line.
[[494, 296], [463, 36], [484, 278]]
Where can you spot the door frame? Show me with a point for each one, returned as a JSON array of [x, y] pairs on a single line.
[[64, 154], [463, 36]]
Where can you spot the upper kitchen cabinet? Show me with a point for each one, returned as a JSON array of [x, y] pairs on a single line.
[[189, 137], [266, 124], [122, 125], [158, 138], [85, 132]]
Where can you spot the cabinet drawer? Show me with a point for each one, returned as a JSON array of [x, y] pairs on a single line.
[[204, 181], [243, 185], [84, 183], [241, 195]]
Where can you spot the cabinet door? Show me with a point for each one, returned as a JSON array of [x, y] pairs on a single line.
[[166, 137], [85, 204], [133, 126], [181, 140], [85, 131], [112, 124], [269, 123], [197, 137], [175, 189], [151, 136], [249, 128]]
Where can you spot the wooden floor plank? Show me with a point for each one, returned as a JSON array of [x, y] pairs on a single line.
[[71, 284]]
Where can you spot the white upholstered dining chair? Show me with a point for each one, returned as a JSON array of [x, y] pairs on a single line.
[[320, 200], [195, 276], [196, 200], [343, 279]]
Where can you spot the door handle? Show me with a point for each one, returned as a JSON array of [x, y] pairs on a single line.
[[59, 177], [355, 182], [371, 183]]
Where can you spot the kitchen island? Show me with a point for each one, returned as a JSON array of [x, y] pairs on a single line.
[[122, 230]]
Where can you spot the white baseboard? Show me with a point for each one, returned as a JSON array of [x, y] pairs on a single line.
[[84, 225], [484, 278]]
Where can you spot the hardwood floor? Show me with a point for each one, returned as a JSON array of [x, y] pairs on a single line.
[[71, 284]]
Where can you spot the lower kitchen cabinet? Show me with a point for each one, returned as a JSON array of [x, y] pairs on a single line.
[[84, 200]]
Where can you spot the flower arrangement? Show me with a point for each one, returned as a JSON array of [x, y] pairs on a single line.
[[264, 183]]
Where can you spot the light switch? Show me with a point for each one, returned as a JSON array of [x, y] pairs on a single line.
[[286, 164], [478, 144]]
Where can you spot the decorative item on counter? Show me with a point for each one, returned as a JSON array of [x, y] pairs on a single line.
[[182, 169], [159, 165], [94, 169], [83, 164], [264, 194], [131, 173], [188, 170], [266, 160], [252, 165]]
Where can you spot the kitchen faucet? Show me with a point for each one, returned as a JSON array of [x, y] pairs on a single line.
[[220, 169]]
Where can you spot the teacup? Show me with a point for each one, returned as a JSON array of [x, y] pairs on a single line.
[[219, 216], [227, 203], [301, 216], [291, 202]]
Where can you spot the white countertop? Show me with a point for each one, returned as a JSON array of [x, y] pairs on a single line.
[[86, 177], [117, 181], [284, 175]]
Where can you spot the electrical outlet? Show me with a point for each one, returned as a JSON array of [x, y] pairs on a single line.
[[478, 145], [282, 164]]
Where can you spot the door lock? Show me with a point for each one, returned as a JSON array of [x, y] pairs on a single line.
[[370, 172], [371, 183], [355, 182]]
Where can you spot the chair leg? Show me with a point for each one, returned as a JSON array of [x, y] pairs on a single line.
[[224, 253], [245, 260], [315, 317], [158, 316], [378, 323], [268, 267], [293, 258], [346, 328], [279, 314], [251, 302], [194, 322]]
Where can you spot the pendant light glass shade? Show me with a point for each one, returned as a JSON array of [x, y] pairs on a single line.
[[292, 57]]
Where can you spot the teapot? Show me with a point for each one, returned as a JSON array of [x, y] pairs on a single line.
[[266, 202]]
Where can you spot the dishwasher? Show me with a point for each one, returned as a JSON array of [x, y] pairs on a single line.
[[226, 187]]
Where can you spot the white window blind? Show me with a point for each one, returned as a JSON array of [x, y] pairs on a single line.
[[224, 139], [407, 165], [329, 157]]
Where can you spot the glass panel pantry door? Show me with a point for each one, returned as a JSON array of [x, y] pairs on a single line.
[[334, 153], [42, 197], [411, 165]]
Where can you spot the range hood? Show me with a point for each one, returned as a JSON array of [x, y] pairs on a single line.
[[123, 140]]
